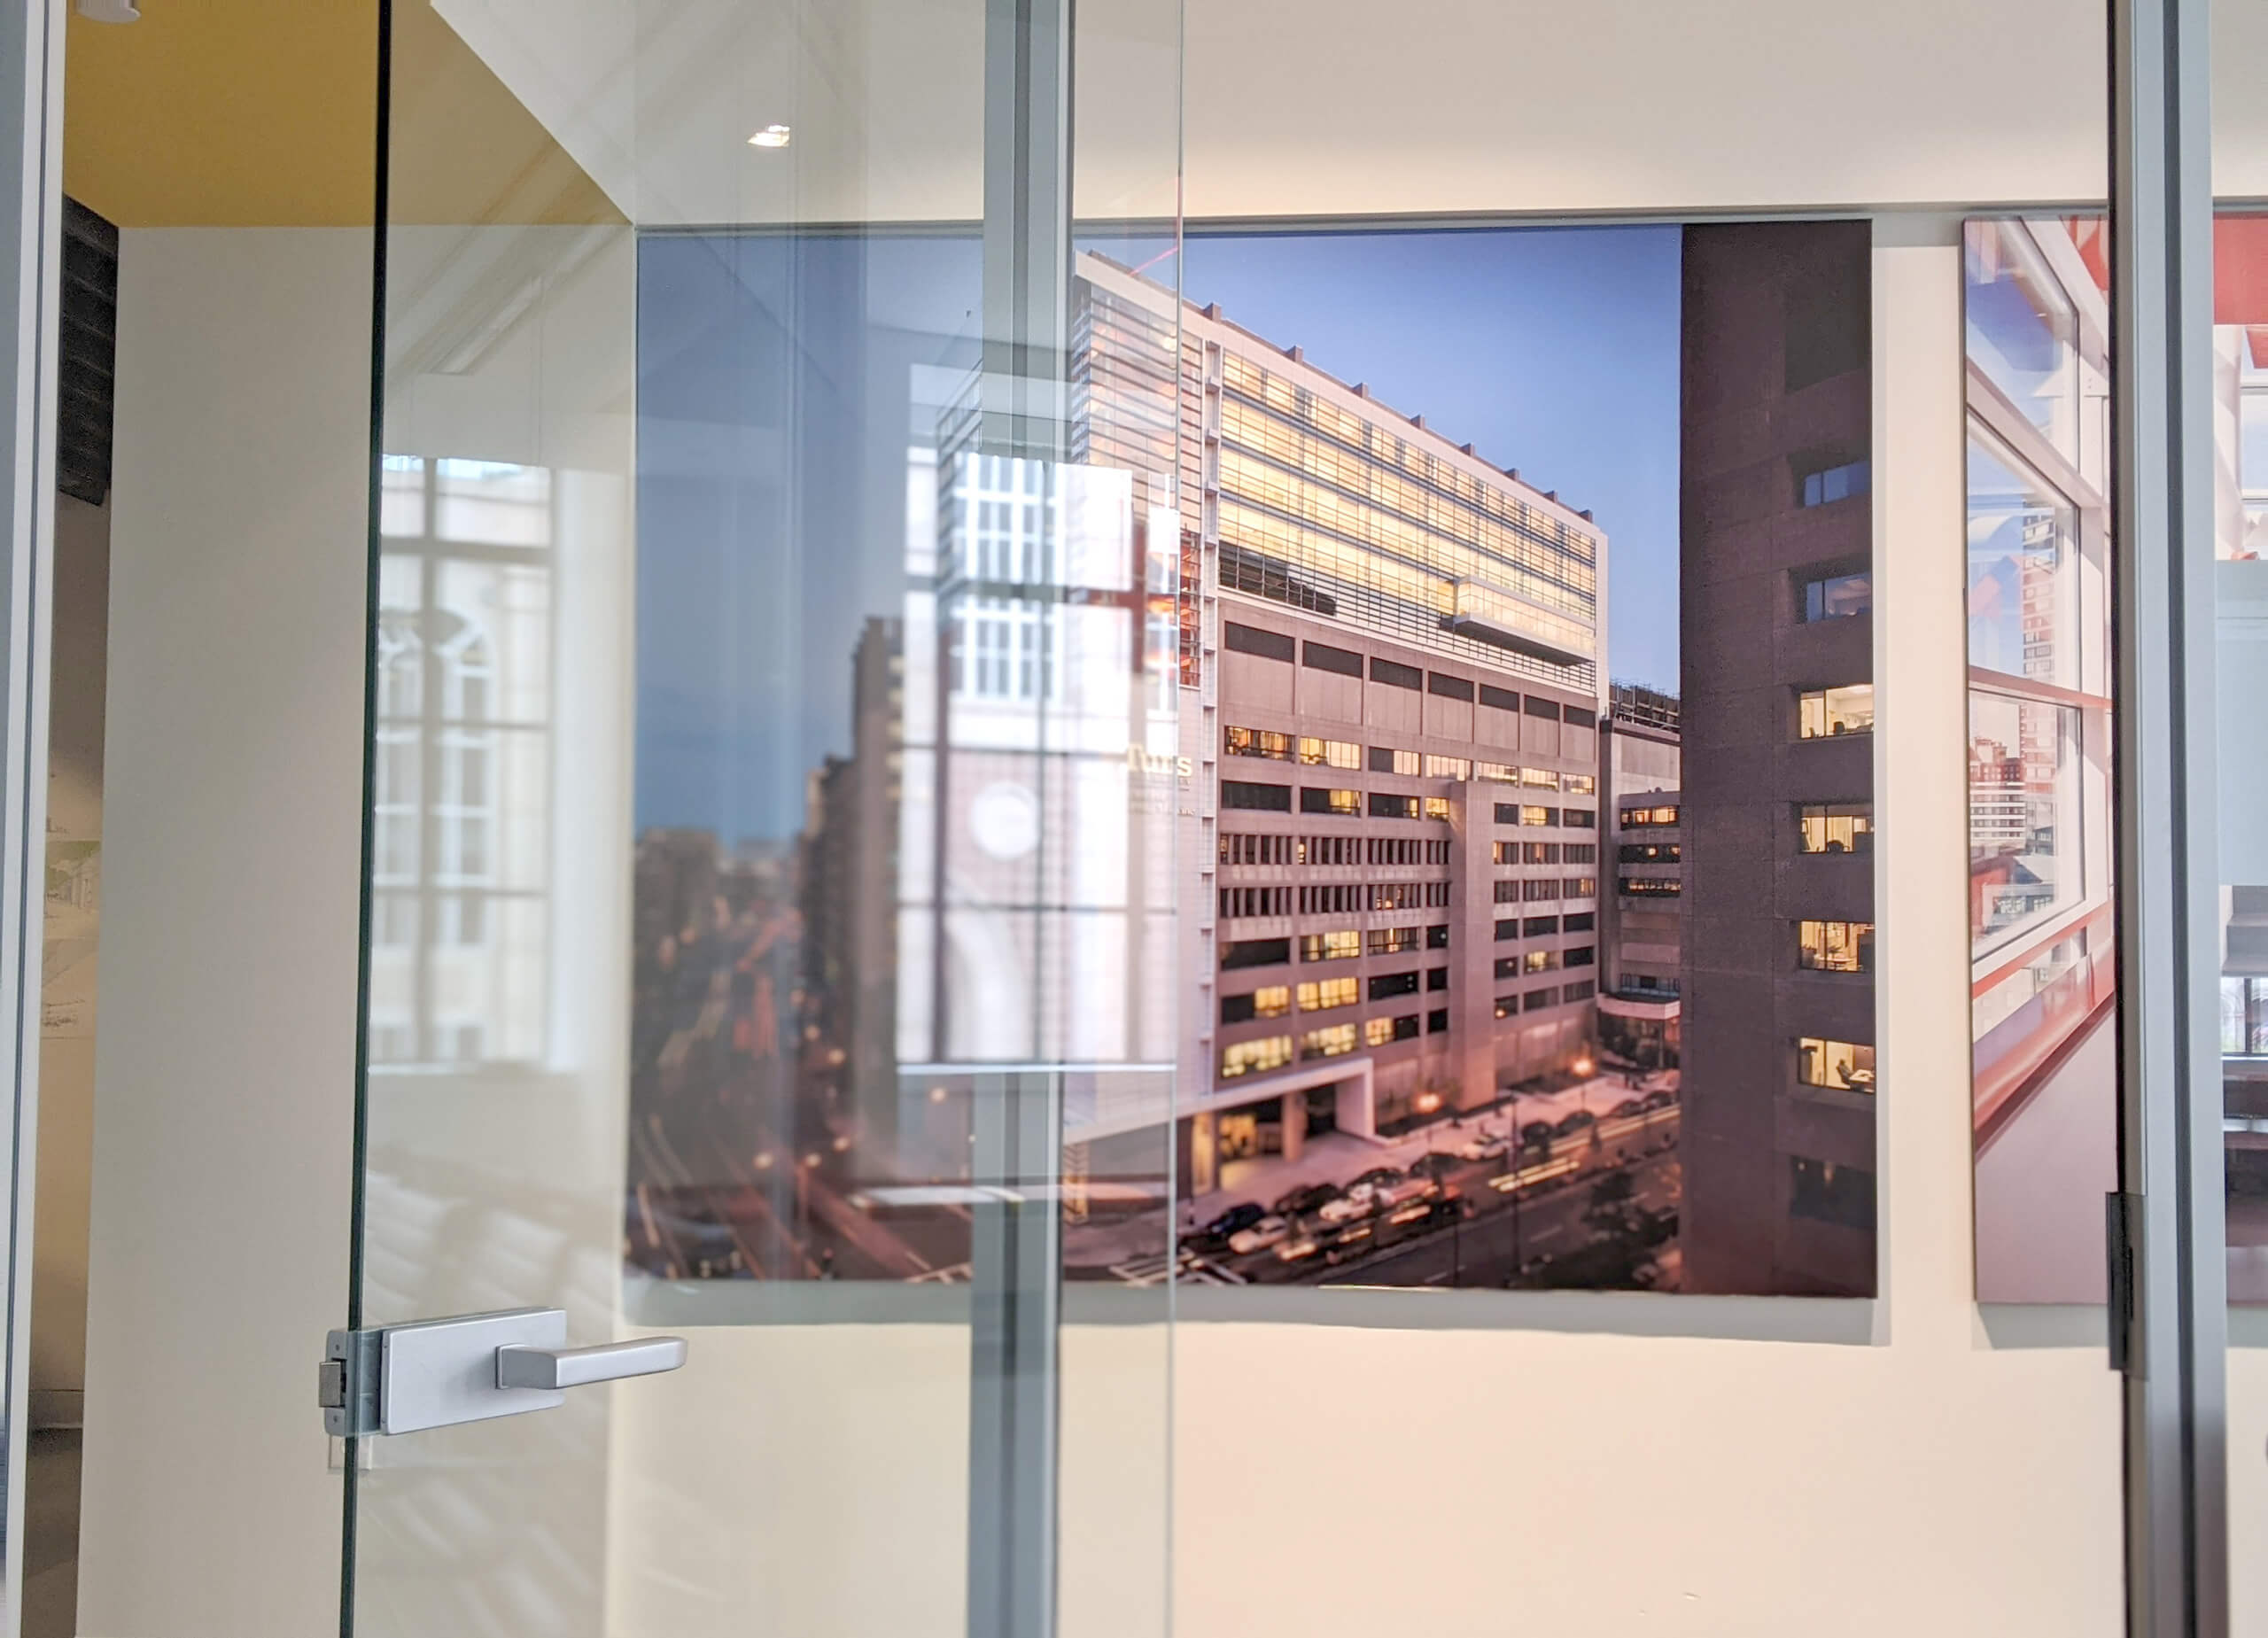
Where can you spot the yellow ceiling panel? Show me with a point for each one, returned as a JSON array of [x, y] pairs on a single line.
[[263, 114]]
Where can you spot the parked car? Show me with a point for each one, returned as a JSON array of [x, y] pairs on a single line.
[[1351, 1241], [1574, 1120], [1416, 1185], [1537, 1135], [1268, 1231], [1357, 1202], [1299, 1247], [1410, 1211], [1436, 1163], [1234, 1220], [1306, 1198], [1660, 1097], [1487, 1146], [1375, 1176], [1628, 1107]]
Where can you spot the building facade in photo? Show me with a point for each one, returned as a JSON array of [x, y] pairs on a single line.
[[1389, 666], [1777, 714], [1642, 906]]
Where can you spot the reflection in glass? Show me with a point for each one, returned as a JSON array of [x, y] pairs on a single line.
[[2020, 329], [1838, 597], [2024, 855], [461, 797], [2023, 579]]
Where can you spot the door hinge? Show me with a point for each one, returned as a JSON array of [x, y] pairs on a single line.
[[2122, 1242], [348, 1383]]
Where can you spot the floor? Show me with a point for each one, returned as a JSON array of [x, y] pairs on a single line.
[[51, 1534], [2040, 1184]]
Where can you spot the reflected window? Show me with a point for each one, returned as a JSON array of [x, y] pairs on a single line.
[[2026, 860], [1838, 597], [461, 798], [2022, 326]]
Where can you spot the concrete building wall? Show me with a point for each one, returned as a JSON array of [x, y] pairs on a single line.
[[1775, 382]]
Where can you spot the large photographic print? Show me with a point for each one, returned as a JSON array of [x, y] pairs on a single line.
[[1395, 783]]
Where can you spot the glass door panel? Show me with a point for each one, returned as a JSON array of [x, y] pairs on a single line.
[[772, 895]]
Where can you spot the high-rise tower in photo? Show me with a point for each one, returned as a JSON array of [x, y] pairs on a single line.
[[1777, 706]]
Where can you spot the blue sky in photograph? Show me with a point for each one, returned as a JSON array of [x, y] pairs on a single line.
[[776, 403]]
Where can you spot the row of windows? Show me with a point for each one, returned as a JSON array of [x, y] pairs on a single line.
[[1545, 890], [1650, 887], [1535, 779], [1332, 897], [1822, 828], [1342, 944], [1547, 853], [1292, 471], [1646, 818], [1400, 456], [1235, 560], [1240, 902], [1523, 813], [1544, 927], [1245, 847], [1325, 995], [1545, 960], [1309, 751], [1551, 994]]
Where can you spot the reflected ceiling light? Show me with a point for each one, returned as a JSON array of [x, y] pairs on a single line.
[[770, 136]]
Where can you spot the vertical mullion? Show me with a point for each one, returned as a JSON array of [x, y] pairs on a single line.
[[1017, 1118], [2170, 1159]]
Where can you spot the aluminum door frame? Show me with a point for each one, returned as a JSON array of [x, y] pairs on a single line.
[[31, 79]]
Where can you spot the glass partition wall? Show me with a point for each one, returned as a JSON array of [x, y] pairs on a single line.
[[1315, 853], [774, 756]]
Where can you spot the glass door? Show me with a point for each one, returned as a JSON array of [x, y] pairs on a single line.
[[774, 723]]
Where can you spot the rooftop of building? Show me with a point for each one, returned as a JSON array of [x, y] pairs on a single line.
[[1507, 479]]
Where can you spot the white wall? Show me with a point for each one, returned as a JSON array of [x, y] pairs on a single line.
[[225, 1047]]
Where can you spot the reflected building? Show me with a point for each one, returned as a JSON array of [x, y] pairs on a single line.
[[1776, 808]]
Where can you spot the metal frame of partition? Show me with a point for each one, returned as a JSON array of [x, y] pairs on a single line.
[[31, 65], [2168, 1312]]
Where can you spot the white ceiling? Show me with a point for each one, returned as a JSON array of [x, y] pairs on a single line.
[[1335, 107]]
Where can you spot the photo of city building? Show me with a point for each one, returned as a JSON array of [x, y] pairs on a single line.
[[2043, 1097], [1270, 790]]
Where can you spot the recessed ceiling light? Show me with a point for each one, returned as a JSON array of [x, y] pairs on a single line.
[[771, 136]]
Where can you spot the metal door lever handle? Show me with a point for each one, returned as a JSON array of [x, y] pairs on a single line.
[[519, 1366]]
